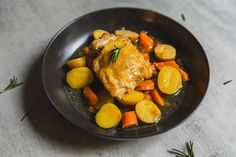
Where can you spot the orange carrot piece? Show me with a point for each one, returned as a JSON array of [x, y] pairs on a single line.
[[145, 42], [129, 119], [146, 56], [184, 74], [147, 95], [159, 65], [146, 85], [85, 49], [156, 97], [90, 96]]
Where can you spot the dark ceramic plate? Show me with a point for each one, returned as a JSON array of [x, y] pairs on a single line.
[[78, 33]]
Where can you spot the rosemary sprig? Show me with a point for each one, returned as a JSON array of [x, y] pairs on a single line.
[[13, 84], [183, 17], [226, 82], [115, 53], [179, 153]]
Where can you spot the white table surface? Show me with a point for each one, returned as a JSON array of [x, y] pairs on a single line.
[[26, 26]]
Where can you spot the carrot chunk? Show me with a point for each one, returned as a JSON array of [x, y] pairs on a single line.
[[147, 95], [156, 97], [90, 96], [145, 42], [129, 119], [85, 49], [184, 74], [146, 85]]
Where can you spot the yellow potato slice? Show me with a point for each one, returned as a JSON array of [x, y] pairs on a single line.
[[132, 98], [98, 33], [165, 52], [79, 77], [147, 111], [127, 33], [108, 116], [77, 62], [104, 97], [169, 80]]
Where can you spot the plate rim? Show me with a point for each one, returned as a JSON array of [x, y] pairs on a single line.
[[187, 116]]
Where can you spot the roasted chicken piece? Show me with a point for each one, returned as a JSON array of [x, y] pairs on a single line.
[[126, 72]]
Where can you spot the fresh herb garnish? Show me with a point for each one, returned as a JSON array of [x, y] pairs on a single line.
[[13, 84], [115, 53], [179, 153], [26, 114], [227, 82], [183, 17]]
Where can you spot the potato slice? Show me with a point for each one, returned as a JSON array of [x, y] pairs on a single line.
[[98, 33], [79, 77], [165, 52], [127, 33], [77, 62], [132, 98], [104, 97], [169, 80], [108, 116], [147, 111]]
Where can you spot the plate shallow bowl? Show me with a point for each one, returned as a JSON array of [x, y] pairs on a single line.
[[78, 32]]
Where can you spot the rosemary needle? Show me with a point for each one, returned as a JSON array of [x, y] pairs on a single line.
[[115, 53], [13, 84], [227, 82], [179, 153]]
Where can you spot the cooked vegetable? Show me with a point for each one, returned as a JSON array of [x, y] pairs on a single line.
[[127, 33], [98, 33], [184, 74], [165, 52], [104, 97], [146, 85], [108, 116], [132, 98], [145, 42], [147, 95], [156, 97], [126, 62], [85, 49], [76, 63], [90, 96], [147, 111], [79, 77], [169, 80], [129, 119]]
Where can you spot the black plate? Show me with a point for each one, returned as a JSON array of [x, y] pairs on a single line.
[[78, 32]]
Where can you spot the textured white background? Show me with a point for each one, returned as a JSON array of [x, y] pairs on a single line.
[[26, 26]]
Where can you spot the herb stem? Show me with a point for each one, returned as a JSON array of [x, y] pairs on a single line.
[[13, 84], [179, 153], [227, 82], [115, 54]]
